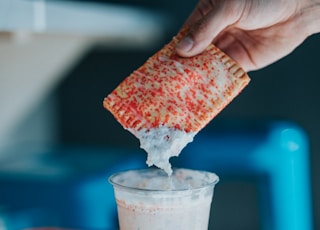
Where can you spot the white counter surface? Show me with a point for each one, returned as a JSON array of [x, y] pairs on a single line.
[[41, 40]]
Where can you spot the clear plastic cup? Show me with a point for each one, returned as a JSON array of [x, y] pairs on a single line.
[[148, 199]]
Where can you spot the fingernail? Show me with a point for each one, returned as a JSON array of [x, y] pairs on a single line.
[[185, 44]]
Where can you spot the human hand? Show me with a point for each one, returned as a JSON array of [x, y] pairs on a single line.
[[255, 33]]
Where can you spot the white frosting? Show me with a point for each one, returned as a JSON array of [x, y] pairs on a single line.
[[162, 143]]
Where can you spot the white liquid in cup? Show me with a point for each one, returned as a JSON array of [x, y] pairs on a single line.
[[148, 199]]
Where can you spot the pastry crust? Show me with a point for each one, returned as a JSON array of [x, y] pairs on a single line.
[[181, 93]]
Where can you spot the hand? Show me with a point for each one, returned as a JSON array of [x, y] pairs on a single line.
[[255, 33]]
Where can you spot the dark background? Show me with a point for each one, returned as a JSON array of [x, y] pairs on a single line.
[[288, 89]]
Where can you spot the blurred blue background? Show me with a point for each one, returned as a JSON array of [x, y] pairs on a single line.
[[59, 59]]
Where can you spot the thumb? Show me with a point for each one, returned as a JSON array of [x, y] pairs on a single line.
[[203, 31]]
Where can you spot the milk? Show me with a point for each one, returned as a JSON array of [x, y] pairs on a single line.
[[148, 199]]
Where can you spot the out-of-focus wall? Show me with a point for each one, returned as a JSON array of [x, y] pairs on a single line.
[[31, 65], [41, 40], [288, 90]]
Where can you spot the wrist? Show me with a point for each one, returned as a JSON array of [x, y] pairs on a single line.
[[310, 14]]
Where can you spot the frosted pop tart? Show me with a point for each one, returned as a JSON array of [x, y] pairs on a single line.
[[169, 99]]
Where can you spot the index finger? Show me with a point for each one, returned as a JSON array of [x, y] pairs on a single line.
[[202, 9]]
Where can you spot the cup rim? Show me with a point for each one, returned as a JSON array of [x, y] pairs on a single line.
[[119, 185]]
